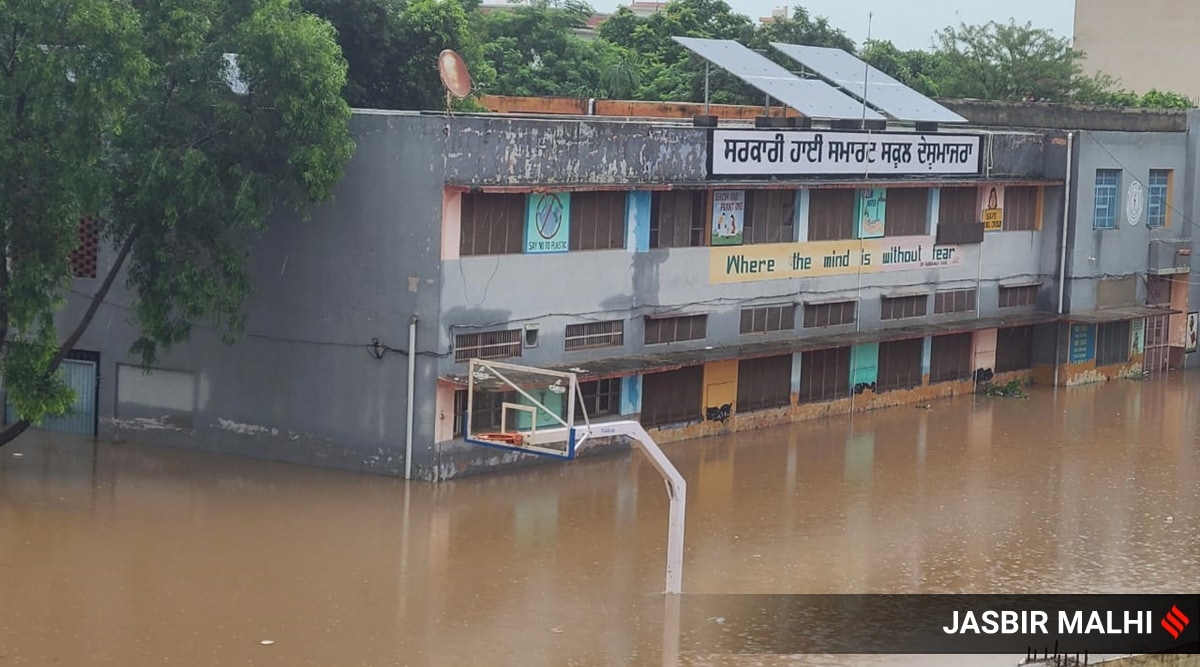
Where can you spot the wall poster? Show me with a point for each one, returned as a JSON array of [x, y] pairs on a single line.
[[992, 208], [728, 217], [1189, 345], [548, 223], [870, 213]]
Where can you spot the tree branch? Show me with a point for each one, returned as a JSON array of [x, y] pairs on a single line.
[[97, 299], [9, 434]]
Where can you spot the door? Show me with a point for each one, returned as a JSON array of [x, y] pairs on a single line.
[[80, 370], [1158, 350]]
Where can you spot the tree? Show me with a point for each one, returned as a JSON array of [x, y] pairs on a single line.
[[799, 28], [996, 61], [915, 68], [128, 111], [391, 47], [533, 50]]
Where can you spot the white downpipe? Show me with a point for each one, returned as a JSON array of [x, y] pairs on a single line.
[[676, 492], [412, 382], [1062, 260]]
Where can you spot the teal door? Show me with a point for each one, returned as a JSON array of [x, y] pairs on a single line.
[[80, 376]]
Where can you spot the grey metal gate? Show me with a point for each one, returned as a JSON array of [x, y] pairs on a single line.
[[1158, 350], [80, 376]]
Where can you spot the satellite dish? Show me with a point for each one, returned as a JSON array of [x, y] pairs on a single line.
[[454, 73]]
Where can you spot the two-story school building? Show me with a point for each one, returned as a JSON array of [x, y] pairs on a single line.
[[700, 279]]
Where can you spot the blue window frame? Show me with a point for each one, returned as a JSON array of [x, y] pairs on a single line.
[[1108, 187], [1156, 197]]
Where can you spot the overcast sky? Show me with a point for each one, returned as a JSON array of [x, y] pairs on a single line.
[[910, 24]]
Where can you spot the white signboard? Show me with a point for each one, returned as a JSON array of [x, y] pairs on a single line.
[[830, 153]]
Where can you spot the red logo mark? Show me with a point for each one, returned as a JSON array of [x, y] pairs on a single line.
[[1174, 622]]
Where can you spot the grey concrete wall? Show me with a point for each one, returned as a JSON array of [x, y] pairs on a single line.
[[1191, 196], [301, 386], [1124, 251], [509, 291], [988, 113], [487, 149]]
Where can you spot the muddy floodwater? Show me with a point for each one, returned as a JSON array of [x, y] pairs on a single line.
[[131, 555]]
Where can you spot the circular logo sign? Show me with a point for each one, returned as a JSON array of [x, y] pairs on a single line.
[[548, 216], [1135, 202]]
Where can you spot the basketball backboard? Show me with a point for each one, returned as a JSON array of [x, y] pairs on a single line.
[[522, 408]]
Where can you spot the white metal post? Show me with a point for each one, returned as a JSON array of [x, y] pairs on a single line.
[[676, 493]]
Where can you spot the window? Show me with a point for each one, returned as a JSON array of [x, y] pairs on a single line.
[[954, 301], [1014, 349], [769, 216], [486, 410], [487, 345], [831, 214], [824, 375], [83, 258], [589, 335], [675, 329], [950, 357], [1108, 185], [764, 383], [597, 220], [460, 409], [1112, 343], [1015, 297], [830, 314], [492, 224], [1158, 198], [768, 318], [907, 212], [1021, 208], [600, 398], [672, 397], [677, 219], [900, 364], [901, 307], [958, 205]]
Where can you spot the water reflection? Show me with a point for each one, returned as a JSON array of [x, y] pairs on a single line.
[[120, 554]]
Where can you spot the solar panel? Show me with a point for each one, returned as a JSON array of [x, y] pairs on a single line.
[[815, 99], [882, 91]]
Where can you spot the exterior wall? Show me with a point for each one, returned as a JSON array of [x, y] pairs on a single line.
[[1122, 252], [1146, 45], [301, 386], [502, 291]]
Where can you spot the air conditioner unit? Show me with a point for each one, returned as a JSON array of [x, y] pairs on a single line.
[[1170, 257]]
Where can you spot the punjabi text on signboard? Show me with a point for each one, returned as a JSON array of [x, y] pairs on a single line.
[[751, 152]]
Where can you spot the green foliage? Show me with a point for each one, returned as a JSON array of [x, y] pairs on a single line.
[[391, 47], [130, 116], [1129, 100], [68, 72], [915, 68], [997, 61], [533, 50], [1013, 389]]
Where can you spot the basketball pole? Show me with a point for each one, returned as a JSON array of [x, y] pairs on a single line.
[[676, 493]]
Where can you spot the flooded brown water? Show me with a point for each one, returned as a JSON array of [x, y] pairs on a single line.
[[131, 555]]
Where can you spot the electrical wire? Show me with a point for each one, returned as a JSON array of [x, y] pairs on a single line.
[[280, 339]]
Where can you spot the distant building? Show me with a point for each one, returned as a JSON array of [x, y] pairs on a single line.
[[776, 14], [1147, 45], [644, 8]]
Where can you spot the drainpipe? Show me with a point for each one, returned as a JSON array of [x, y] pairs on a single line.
[[412, 381], [1062, 260]]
